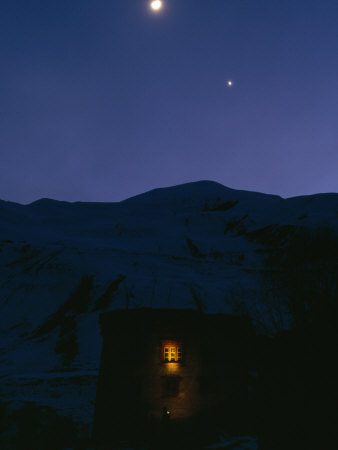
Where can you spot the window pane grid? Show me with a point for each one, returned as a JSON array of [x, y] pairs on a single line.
[[172, 353]]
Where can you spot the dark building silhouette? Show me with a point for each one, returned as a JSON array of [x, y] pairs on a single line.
[[160, 368]]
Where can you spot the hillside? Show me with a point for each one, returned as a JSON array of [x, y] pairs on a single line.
[[199, 245]]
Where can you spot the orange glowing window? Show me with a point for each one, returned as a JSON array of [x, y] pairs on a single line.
[[172, 352]]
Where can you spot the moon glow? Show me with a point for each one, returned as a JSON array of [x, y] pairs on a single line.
[[229, 83], [156, 5]]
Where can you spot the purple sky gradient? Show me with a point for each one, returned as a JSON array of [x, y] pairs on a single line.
[[103, 100]]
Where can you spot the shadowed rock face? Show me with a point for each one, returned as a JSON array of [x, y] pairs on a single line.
[[139, 386]]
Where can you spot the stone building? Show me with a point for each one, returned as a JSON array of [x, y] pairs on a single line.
[[178, 366]]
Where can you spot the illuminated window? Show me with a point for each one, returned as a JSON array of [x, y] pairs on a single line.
[[172, 352]]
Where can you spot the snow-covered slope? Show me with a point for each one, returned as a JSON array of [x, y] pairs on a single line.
[[62, 264]]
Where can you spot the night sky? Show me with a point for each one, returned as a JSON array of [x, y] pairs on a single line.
[[102, 100]]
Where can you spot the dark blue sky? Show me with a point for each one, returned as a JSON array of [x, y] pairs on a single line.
[[101, 100]]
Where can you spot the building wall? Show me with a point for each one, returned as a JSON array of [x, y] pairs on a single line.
[[136, 387]]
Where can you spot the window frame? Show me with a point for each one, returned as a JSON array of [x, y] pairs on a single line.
[[171, 352], [171, 386]]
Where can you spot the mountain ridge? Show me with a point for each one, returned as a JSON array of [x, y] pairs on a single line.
[[199, 243]]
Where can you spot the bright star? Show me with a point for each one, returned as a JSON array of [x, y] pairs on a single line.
[[229, 83], [156, 5]]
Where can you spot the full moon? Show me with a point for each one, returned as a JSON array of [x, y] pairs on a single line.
[[156, 5], [229, 83]]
